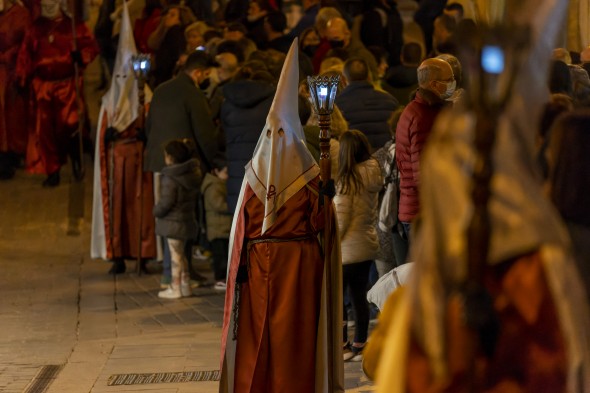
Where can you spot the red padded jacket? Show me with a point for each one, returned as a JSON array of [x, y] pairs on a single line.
[[412, 131]]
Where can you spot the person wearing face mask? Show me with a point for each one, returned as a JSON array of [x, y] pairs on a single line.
[[457, 74], [46, 62], [436, 84], [309, 41], [340, 36], [14, 23], [179, 110]]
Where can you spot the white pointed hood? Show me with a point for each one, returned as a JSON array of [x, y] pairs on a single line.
[[121, 102], [281, 164]]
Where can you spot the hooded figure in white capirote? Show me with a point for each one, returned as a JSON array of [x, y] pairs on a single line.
[[274, 334], [541, 340], [123, 193]]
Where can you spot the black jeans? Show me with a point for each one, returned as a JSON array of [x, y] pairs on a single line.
[[354, 279], [219, 249]]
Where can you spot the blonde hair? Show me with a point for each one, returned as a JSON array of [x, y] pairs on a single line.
[[339, 124], [331, 64]]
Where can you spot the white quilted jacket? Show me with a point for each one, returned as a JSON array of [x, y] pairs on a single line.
[[357, 216]]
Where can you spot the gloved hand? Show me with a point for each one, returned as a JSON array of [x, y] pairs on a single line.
[[329, 190], [77, 58], [110, 135]]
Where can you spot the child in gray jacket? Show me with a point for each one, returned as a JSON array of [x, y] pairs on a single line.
[[175, 211]]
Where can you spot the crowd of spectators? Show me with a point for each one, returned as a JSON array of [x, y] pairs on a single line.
[[242, 45]]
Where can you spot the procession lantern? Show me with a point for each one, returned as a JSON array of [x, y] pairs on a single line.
[[323, 91]]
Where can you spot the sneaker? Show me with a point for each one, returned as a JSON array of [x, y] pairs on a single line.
[[220, 286], [357, 353], [170, 293], [185, 289], [347, 352]]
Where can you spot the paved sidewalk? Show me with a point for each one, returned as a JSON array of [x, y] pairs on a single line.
[[67, 326]]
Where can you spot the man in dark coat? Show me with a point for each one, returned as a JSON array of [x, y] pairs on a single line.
[[436, 81], [363, 107], [404, 77], [179, 110], [340, 36], [243, 115]]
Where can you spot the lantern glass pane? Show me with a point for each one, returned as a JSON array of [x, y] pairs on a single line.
[[323, 91]]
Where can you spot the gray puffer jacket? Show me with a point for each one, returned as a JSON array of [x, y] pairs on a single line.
[[175, 212]]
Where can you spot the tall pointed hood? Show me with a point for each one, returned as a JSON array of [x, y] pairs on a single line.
[[121, 101], [522, 220], [281, 164]]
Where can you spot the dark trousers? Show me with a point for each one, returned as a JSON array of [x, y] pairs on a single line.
[[219, 249], [400, 244], [354, 280]]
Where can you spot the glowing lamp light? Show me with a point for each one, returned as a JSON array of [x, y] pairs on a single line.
[[323, 91], [141, 65]]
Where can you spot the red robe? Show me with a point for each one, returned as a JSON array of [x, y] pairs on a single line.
[[530, 354], [14, 23], [279, 304], [132, 196], [45, 59]]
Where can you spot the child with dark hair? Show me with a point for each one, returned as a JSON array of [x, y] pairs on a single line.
[[358, 185], [175, 211]]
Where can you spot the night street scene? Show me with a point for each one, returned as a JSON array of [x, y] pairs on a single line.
[[295, 196]]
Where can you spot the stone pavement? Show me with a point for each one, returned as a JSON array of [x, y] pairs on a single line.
[[67, 326]]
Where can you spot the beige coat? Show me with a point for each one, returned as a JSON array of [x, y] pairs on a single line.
[[357, 216]]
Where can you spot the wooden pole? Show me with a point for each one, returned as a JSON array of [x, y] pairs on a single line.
[[325, 177], [140, 130]]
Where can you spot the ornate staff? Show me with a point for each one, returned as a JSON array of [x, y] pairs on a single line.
[[323, 92], [141, 69], [497, 50]]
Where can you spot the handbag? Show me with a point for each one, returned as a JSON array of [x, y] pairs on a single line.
[[389, 204]]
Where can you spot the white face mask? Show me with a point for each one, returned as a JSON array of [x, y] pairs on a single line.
[[451, 87], [50, 8]]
